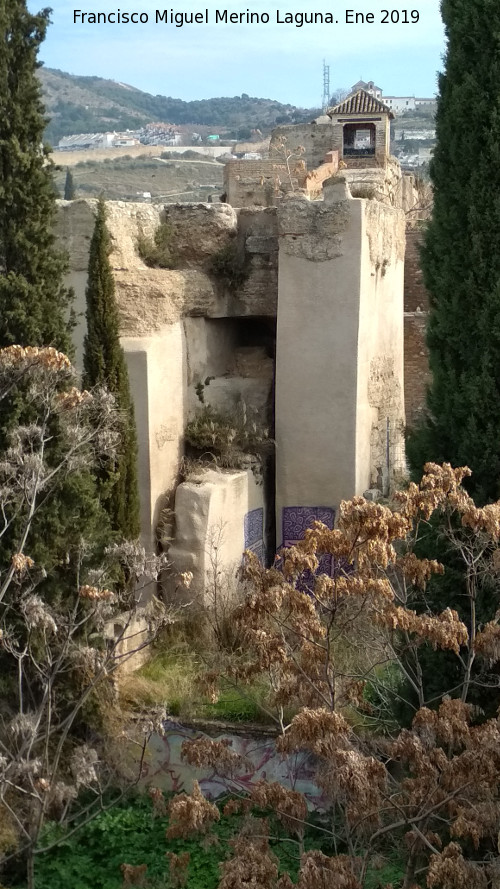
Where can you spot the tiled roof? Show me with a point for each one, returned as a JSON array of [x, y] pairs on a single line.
[[360, 103], [364, 84]]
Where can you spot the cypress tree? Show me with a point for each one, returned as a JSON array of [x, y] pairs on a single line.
[[69, 186], [34, 304], [104, 364], [461, 254], [461, 266], [33, 301]]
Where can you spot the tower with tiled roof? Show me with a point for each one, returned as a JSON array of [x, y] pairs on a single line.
[[361, 129]]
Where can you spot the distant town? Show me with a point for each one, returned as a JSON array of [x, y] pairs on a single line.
[[411, 144]]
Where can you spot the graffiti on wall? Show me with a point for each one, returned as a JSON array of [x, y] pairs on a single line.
[[295, 522], [164, 767], [254, 532]]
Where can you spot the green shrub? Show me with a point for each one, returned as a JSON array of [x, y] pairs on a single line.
[[158, 252], [169, 678], [230, 266], [226, 437]]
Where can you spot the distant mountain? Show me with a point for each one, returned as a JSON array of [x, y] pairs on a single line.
[[94, 105]]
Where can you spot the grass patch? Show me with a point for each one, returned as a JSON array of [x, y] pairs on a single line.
[[171, 679], [167, 679], [235, 705], [131, 833]]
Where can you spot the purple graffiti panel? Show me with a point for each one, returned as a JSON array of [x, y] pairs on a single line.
[[297, 519], [254, 532]]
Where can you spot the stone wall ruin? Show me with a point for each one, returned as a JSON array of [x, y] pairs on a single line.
[[291, 313]]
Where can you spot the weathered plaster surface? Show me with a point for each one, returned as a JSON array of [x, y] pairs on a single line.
[[385, 184], [210, 511], [150, 299], [379, 394], [156, 367], [340, 309], [316, 349], [312, 230]]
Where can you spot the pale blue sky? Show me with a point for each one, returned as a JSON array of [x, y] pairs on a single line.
[[278, 61]]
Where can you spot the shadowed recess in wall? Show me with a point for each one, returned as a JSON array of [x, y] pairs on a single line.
[[295, 522], [254, 532]]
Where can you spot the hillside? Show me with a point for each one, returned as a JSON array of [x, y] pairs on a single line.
[[167, 179], [91, 104]]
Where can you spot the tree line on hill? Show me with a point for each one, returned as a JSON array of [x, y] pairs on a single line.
[[132, 108]]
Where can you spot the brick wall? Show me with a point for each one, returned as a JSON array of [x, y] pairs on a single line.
[[415, 294], [258, 183], [315, 139], [262, 183], [382, 131], [416, 304]]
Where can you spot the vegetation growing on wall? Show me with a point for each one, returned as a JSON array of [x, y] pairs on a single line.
[[159, 251], [226, 438], [230, 266]]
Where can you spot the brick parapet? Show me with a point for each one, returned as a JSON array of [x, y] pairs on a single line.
[[258, 183], [415, 293], [416, 304], [262, 183], [314, 180]]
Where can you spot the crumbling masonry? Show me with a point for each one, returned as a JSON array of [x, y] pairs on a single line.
[[309, 340]]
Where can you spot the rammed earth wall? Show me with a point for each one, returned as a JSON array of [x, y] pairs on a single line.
[[331, 272], [156, 306], [340, 309]]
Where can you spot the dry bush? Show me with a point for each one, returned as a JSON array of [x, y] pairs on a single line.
[[434, 786], [59, 653]]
